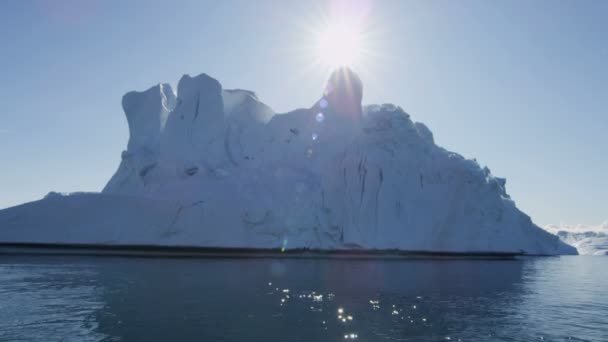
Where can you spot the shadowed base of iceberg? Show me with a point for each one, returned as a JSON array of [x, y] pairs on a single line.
[[221, 252]]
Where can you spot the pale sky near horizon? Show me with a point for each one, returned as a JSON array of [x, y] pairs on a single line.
[[522, 86]]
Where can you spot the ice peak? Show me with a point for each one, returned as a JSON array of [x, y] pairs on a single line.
[[199, 95], [146, 114], [344, 92]]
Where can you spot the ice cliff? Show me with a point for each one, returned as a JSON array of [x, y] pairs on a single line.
[[212, 167]]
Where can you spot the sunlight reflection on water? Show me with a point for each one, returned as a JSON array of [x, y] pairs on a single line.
[[76, 299]]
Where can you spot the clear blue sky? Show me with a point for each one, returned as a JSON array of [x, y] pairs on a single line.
[[520, 85]]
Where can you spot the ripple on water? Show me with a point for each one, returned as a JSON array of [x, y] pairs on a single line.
[[553, 299]]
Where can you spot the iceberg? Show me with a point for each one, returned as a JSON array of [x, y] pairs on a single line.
[[588, 240], [218, 168]]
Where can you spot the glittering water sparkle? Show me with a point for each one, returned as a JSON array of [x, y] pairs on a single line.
[[92, 299]]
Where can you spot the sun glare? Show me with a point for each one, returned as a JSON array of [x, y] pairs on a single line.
[[340, 44], [341, 34]]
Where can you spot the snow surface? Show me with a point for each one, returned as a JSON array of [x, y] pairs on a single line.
[[218, 168], [588, 240]]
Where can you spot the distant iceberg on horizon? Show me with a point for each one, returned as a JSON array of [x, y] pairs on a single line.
[[210, 167], [588, 240]]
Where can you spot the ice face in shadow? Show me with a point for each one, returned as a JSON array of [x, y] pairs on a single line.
[[218, 168]]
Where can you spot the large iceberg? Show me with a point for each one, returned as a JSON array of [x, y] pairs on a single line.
[[209, 167]]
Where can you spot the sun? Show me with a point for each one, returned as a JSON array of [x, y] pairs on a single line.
[[339, 44], [343, 34]]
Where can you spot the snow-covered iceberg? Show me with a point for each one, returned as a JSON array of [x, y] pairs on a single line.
[[210, 167], [588, 240]]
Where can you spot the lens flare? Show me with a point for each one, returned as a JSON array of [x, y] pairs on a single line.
[[323, 103], [320, 117]]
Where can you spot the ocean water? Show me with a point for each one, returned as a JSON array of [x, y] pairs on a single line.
[[75, 298]]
